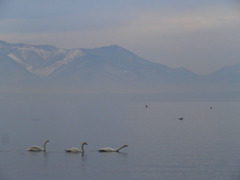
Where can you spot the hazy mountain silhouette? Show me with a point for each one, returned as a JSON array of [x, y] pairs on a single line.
[[105, 68], [227, 74]]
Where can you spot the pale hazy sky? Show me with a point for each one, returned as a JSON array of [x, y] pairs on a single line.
[[200, 35]]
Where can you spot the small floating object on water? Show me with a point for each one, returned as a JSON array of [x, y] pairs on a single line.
[[181, 118], [146, 106], [210, 107]]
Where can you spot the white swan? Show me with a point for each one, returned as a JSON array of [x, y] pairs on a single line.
[[108, 149], [76, 150], [36, 148]]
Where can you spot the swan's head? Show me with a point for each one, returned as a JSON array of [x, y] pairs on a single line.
[[47, 141], [125, 145], [84, 143]]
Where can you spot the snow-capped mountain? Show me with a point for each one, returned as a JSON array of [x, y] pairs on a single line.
[[48, 61], [39, 60], [106, 67]]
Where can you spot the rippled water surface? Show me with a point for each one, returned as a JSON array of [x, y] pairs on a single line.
[[204, 145]]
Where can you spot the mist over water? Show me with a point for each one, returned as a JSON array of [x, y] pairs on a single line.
[[204, 145]]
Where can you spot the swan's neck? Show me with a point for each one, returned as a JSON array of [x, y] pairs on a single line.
[[44, 146], [120, 148], [82, 148]]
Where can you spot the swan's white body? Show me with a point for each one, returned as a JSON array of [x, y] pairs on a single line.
[[76, 150], [109, 149], [37, 148]]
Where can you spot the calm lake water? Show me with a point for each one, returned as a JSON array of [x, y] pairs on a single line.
[[205, 145]]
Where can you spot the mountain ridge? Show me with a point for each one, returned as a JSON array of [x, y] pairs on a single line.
[[108, 67]]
